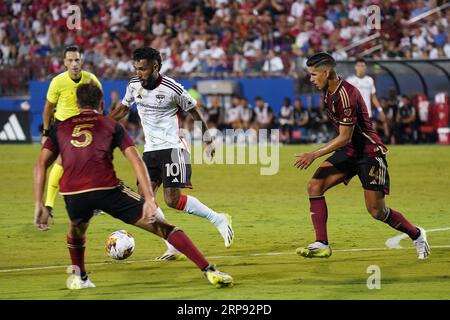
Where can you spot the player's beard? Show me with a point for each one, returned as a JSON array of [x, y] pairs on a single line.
[[149, 82]]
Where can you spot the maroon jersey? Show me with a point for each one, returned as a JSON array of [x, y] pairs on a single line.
[[346, 107], [86, 143]]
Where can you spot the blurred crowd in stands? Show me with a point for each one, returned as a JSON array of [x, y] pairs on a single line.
[[212, 38], [220, 38]]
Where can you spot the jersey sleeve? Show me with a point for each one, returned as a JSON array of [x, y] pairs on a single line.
[[97, 82], [347, 107], [121, 138], [185, 101], [53, 91], [128, 100]]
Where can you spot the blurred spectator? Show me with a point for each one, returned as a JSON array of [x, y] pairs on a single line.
[[216, 116], [233, 120], [273, 64], [124, 67], [263, 114], [247, 114], [190, 64], [385, 125], [301, 115], [406, 122], [286, 120]]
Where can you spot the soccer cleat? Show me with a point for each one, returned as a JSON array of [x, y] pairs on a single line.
[[217, 278], [98, 212], [421, 244], [171, 255], [226, 229], [75, 283], [315, 250]]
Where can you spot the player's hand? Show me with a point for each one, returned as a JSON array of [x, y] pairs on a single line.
[[42, 217], [119, 112], [43, 139], [210, 149], [304, 160], [149, 210]]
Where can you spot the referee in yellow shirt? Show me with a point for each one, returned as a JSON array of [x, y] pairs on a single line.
[[62, 94]]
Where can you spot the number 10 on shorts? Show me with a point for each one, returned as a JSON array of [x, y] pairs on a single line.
[[172, 169]]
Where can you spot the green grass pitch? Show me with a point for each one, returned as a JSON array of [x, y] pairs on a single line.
[[270, 219]]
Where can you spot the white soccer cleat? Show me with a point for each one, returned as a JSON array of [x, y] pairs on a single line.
[[315, 250], [75, 283], [421, 244], [226, 229], [171, 254], [217, 278]]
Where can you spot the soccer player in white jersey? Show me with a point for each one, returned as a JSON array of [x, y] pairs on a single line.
[[159, 100], [366, 87]]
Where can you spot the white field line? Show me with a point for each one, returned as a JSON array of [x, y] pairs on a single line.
[[211, 257], [394, 242]]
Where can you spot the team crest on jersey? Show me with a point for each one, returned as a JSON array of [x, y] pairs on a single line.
[[160, 98], [347, 112]]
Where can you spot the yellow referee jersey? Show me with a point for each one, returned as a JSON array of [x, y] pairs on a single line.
[[62, 92]]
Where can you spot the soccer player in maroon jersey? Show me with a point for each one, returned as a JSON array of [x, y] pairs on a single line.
[[358, 150], [86, 143]]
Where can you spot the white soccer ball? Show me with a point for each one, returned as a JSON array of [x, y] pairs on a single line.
[[120, 245]]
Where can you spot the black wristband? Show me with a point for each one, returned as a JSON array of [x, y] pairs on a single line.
[[45, 132]]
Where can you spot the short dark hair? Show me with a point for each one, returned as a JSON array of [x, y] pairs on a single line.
[[148, 54], [321, 59], [258, 98], [71, 48], [362, 60], [89, 95]]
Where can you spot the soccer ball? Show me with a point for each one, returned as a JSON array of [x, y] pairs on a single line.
[[120, 245]]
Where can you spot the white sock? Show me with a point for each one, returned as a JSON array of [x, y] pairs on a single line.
[[159, 213], [195, 207]]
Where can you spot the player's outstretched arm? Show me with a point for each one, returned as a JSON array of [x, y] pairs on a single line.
[[197, 116], [304, 160], [143, 178], [41, 214]]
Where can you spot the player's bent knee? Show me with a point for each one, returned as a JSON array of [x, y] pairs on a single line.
[[315, 188], [377, 213]]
